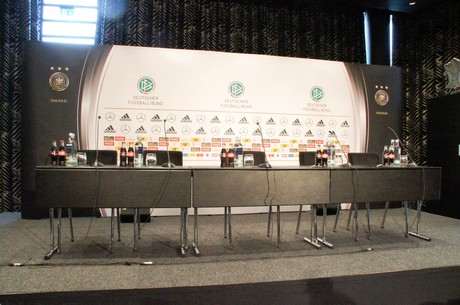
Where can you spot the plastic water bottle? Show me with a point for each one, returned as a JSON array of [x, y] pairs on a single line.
[[139, 149], [238, 152], [71, 150], [331, 153], [53, 153]]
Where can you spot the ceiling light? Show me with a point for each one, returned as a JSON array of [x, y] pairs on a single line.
[[412, 3]]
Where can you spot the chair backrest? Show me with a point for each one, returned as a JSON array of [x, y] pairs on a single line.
[[307, 158], [162, 156], [259, 156], [364, 159], [106, 157]]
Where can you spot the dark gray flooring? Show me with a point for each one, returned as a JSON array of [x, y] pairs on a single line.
[[85, 264]]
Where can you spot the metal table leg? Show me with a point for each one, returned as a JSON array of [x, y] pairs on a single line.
[[278, 226], [225, 221], [135, 219], [337, 214], [355, 229], [270, 221], [368, 221], [299, 216], [138, 223], [183, 232], [323, 240], [195, 232], [119, 224], [387, 204], [112, 215], [53, 248], [313, 229], [416, 233], [69, 211], [230, 239]]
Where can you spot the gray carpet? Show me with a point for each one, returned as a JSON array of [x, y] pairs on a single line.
[[85, 264]]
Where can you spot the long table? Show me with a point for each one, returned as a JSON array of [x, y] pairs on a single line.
[[198, 187]]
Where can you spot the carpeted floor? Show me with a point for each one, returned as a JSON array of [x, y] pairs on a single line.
[[255, 271]]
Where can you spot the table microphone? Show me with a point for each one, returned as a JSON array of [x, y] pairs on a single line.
[[167, 164], [343, 151], [265, 164], [403, 146], [97, 163]]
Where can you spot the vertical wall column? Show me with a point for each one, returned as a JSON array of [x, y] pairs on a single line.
[[378, 37]]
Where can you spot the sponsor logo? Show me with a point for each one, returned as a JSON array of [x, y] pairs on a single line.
[[243, 121], [332, 123], [236, 89], [59, 81], [284, 121], [120, 138], [229, 119], [141, 130], [244, 131], [200, 131], [171, 118], [257, 132], [125, 118], [156, 129], [320, 133], [320, 124], [271, 132], [186, 130], [125, 129], [200, 118], [296, 123], [229, 132], [284, 133], [146, 85], [215, 120], [296, 132], [332, 134], [110, 129], [317, 93], [186, 119], [140, 117], [308, 122], [257, 119], [110, 116], [309, 133], [171, 130], [270, 121], [109, 138], [345, 134], [215, 131], [345, 124], [155, 118]]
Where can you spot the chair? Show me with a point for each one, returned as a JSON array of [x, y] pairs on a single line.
[[357, 160]]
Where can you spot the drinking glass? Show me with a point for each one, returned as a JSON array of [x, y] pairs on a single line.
[[151, 159], [81, 158], [404, 160], [248, 160]]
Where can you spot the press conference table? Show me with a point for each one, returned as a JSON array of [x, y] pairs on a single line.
[[198, 187]]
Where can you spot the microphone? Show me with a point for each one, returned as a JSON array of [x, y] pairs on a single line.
[[97, 163], [265, 164], [341, 148], [403, 146], [167, 164]]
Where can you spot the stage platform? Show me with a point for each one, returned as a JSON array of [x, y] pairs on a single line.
[[87, 265]]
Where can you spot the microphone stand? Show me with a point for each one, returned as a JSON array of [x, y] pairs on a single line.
[[341, 147], [167, 164], [265, 164], [96, 163]]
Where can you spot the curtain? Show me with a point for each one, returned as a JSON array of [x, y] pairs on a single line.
[[423, 43], [308, 29], [19, 21]]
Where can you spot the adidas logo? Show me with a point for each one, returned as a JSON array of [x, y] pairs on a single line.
[[345, 124], [332, 133], [257, 132], [156, 118], [215, 120], [284, 133], [296, 123], [229, 132], [309, 134], [243, 121], [125, 117], [271, 121], [141, 130], [110, 129], [171, 130], [186, 119], [321, 123], [200, 131]]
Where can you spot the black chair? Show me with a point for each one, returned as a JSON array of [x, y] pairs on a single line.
[[360, 160]]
